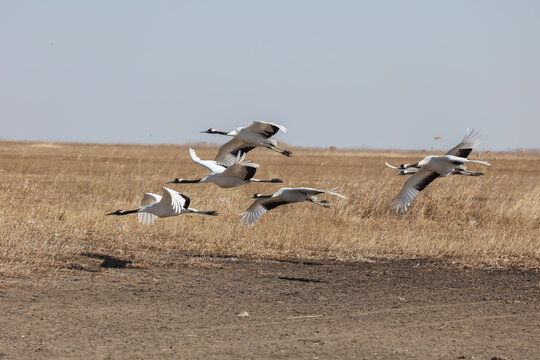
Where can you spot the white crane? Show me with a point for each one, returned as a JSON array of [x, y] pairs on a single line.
[[431, 167], [463, 149], [172, 203], [237, 174], [283, 196], [247, 138], [460, 170]]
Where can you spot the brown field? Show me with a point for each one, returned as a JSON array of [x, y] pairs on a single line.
[[55, 197], [454, 278]]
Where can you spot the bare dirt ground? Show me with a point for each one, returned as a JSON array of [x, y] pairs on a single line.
[[231, 308]]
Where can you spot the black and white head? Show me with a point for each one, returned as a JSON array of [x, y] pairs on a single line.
[[183, 181], [407, 166], [261, 196], [406, 172], [209, 131]]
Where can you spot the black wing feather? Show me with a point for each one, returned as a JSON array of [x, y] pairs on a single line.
[[463, 153], [186, 205], [270, 205], [269, 133], [250, 172], [426, 181], [243, 150]]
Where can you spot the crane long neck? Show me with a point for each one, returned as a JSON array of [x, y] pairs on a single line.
[[125, 212], [415, 165], [275, 180], [220, 132], [186, 181]]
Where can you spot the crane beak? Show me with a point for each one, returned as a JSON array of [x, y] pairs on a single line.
[[110, 213]]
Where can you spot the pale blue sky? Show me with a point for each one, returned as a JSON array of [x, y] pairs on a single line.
[[378, 74]]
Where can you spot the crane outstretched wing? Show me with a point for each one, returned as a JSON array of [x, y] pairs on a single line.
[[241, 169], [464, 148], [175, 200], [412, 187], [211, 165], [259, 207], [266, 129], [228, 152], [146, 218], [149, 199]]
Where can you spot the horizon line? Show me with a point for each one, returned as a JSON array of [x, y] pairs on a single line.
[[211, 144]]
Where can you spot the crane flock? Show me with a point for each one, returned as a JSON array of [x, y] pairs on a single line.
[[230, 169]]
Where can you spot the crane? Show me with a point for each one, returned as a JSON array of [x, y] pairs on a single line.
[[236, 174], [245, 139], [283, 196], [172, 203]]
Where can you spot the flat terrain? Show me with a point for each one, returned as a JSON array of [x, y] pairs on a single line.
[[228, 308], [456, 277], [56, 197]]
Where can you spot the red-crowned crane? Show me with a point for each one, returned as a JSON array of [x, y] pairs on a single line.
[[431, 167], [247, 138], [463, 149], [283, 196], [172, 203], [237, 174]]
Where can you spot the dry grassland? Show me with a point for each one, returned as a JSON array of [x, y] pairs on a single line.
[[54, 199]]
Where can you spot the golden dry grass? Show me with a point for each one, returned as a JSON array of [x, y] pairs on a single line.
[[54, 199]]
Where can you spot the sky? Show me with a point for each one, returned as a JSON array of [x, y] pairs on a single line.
[[351, 74]]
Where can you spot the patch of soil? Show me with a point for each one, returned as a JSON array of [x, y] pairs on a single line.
[[227, 308]]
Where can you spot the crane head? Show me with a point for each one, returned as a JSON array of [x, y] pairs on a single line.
[[407, 166], [406, 172], [261, 196], [209, 131], [175, 181], [117, 212]]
